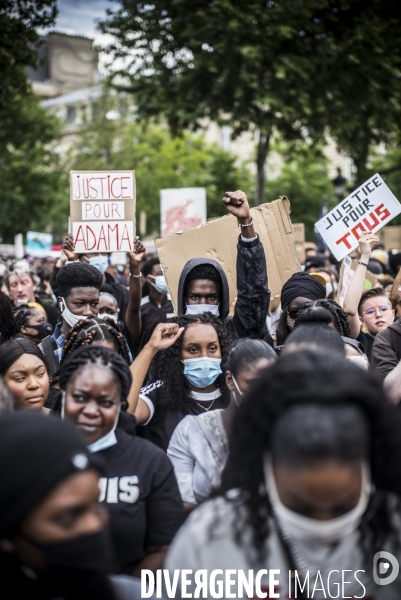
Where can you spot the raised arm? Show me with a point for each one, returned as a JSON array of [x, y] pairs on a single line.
[[164, 336], [355, 289], [133, 317], [252, 289]]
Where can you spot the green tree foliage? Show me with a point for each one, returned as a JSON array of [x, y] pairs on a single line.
[[159, 160], [305, 182], [19, 21], [321, 64], [30, 180]]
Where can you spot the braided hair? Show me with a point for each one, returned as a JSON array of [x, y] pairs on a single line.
[[93, 331], [21, 315], [340, 318], [168, 366], [97, 355]]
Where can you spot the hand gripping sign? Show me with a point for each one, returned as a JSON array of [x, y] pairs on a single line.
[[367, 209], [102, 210]]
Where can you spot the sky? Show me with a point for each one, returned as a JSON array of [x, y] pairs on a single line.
[[79, 16]]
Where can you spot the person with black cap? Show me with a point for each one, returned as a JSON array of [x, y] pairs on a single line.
[[203, 285], [53, 536], [300, 288]]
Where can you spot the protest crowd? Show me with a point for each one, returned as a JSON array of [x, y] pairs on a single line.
[[138, 433]]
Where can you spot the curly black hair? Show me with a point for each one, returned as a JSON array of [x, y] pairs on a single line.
[[148, 266], [340, 318], [89, 331], [310, 380], [97, 355], [8, 327], [167, 364], [78, 274]]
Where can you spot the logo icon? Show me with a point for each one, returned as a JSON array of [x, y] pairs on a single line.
[[385, 568]]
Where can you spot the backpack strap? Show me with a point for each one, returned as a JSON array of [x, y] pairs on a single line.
[[213, 443], [48, 351]]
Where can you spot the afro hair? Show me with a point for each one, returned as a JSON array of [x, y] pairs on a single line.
[[77, 275]]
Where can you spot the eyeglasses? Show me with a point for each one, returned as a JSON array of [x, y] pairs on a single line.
[[372, 311], [293, 313]]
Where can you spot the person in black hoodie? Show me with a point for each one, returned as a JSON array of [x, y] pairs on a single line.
[[203, 285]]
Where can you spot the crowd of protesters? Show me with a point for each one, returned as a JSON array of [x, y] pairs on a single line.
[[138, 435]]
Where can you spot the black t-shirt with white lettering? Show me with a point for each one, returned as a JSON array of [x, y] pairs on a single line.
[[142, 496], [164, 420]]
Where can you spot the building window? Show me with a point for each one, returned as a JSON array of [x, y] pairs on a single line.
[[70, 114], [226, 137]]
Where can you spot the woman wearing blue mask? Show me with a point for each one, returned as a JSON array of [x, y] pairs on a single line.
[[310, 487], [186, 374], [198, 448], [138, 486]]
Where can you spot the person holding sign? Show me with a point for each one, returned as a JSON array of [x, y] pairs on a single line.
[[203, 285], [371, 308]]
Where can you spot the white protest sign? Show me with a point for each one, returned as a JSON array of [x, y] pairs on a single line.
[[181, 208], [102, 206], [367, 209]]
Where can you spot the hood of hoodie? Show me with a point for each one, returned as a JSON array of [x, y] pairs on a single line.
[[225, 294]]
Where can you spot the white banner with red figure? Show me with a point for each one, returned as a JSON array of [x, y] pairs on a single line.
[[181, 208], [368, 208]]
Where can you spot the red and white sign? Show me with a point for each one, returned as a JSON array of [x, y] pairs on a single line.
[[368, 208], [182, 208], [102, 206]]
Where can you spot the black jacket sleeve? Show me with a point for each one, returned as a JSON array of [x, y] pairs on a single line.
[[253, 294]]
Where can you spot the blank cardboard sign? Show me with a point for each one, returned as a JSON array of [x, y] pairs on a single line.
[[218, 240]]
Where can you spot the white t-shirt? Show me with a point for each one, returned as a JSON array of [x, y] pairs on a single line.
[[195, 463], [207, 541]]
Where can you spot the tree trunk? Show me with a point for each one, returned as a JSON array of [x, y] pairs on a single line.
[[263, 148], [360, 160]]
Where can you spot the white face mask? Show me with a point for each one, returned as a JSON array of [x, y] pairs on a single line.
[[199, 309], [112, 317], [307, 530], [110, 439], [329, 289], [361, 361], [69, 317]]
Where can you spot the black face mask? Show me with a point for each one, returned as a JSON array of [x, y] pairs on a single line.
[[42, 330], [87, 553]]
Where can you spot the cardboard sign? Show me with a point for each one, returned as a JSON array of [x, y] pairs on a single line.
[[181, 209], [102, 207], [348, 268], [218, 240], [299, 239], [367, 209], [392, 237], [39, 244]]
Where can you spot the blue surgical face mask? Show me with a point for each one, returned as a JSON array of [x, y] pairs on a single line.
[[202, 372], [159, 284], [101, 262], [199, 309]]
